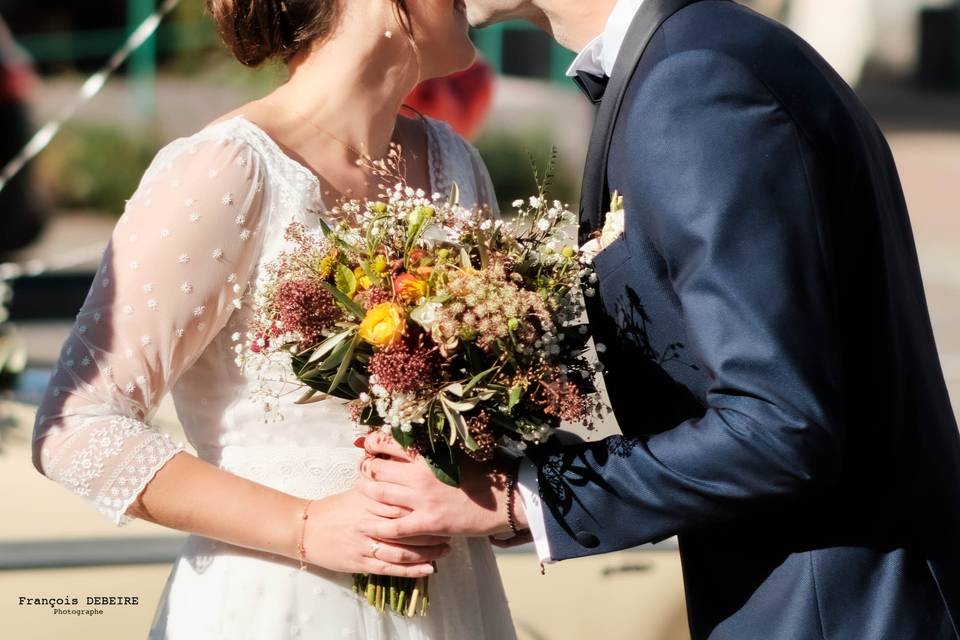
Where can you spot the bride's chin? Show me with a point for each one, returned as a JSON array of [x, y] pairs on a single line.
[[456, 56]]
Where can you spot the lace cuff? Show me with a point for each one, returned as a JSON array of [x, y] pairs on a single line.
[[130, 450]]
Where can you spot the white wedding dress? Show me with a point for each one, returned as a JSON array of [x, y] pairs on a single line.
[[209, 214]]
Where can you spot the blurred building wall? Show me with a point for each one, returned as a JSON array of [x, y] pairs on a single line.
[[848, 33]]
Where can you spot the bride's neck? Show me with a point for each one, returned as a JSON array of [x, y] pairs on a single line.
[[351, 87]]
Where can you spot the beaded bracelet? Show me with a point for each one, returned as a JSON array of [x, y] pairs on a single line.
[[301, 551]]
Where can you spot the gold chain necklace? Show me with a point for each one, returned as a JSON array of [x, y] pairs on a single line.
[[361, 156]]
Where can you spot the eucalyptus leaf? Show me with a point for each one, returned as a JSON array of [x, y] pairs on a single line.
[[345, 301], [514, 395], [485, 394], [346, 281], [344, 365], [465, 404], [452, 418], [475, 380], [444, 465], [357, 381], [460, 424], [305, 398], [456, 389], [336, 356], [324, 227], [312, 396], [327, 345], [404, 438]]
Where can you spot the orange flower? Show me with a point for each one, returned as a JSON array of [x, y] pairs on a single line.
[[409, 288], [417, 255]]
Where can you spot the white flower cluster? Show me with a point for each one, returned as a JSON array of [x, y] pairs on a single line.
[[398, 410]]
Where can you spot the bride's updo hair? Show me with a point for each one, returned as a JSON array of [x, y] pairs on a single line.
[[260, 30]]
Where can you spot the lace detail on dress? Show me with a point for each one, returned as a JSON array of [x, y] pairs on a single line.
[[439, 178], [130, 470], [306, 472], [300, 182]]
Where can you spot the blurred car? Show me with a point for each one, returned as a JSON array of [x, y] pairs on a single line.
[[22, 214]]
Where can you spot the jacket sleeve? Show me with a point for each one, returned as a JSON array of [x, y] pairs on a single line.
[[168, 282], [720, 180]]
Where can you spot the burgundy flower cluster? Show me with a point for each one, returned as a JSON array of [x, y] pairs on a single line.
[[406, 366], [306, 307]]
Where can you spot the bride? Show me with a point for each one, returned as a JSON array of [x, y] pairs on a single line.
[[166, 305]]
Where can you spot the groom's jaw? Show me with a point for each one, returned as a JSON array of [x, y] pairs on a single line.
[[484, 13]]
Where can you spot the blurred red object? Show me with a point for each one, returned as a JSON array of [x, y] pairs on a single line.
[[15, 83], [16, 72], [462, 99]]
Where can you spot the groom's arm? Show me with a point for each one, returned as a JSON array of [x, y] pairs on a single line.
[[720, 177]]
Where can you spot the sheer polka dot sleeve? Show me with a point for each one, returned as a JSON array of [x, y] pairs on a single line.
[[170, 277]]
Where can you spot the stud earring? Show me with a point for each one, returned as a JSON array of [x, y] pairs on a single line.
[[388, 34]]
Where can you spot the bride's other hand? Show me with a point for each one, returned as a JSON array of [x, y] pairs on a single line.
[[333, 540], [396, 478]]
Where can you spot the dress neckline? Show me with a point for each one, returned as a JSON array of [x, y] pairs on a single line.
[[311, 176]]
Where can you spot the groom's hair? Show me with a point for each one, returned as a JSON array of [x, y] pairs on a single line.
[[256, 31]]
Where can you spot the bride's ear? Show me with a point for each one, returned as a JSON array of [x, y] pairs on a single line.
[[256, 31]]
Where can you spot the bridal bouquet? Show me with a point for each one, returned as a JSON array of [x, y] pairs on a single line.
[[455, 332]]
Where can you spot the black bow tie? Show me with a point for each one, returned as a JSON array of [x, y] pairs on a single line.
[[593, 86]]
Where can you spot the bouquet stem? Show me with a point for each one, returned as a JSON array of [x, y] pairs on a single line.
[[404, 596]]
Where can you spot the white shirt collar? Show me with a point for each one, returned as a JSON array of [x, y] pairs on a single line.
[[600, 55]]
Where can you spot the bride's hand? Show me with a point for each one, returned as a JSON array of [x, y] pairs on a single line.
[[333, 540]]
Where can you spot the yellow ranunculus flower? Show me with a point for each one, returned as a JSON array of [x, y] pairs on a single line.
[[383, 325], [363, 281]]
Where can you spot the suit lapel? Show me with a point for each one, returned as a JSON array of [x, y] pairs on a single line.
[[594, 195]]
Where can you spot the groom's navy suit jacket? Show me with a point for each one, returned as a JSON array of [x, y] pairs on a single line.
[[769, 356]]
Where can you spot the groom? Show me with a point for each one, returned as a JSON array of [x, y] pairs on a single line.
[[770, 358]]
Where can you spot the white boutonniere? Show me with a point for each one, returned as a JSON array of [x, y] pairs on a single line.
[[613, 226]]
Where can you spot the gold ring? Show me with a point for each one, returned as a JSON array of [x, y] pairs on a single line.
[[373, 549]]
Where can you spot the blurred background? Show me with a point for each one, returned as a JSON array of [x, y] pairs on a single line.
[[902, 56]]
